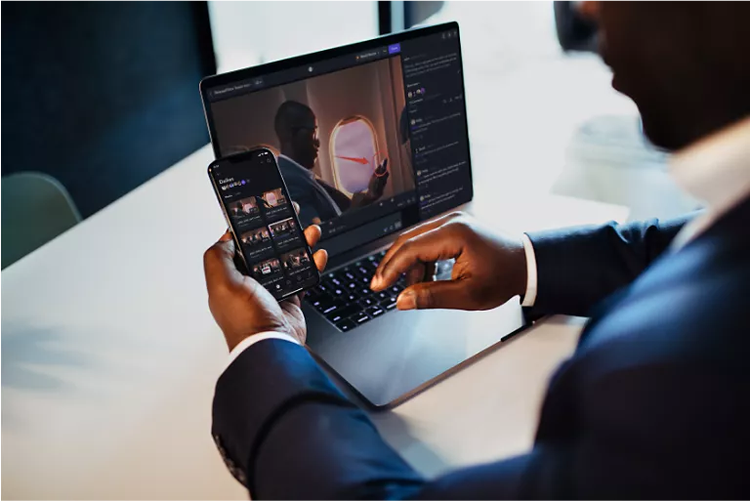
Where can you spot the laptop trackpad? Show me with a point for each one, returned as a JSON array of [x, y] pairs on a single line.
[[393, 356]]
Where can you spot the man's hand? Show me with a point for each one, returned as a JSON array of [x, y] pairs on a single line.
[[378, 180], [241, 306], [489, 269], [375, 187]]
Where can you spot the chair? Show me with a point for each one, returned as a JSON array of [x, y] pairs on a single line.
[[35, 209]]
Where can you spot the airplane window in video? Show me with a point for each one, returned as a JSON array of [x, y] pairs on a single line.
[[340, 137], [354, 154]]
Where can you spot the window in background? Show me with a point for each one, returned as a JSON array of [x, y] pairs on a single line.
[[354, 154], [544, 120], [250, 33]]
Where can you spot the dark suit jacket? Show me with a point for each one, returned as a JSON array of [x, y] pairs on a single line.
[[654, 403], [305, 190]]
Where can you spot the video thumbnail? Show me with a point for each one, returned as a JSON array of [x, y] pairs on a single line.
[[295, 259], [275, 203], [284, 233], [274, 198], [244, 211], [282, 228], [341, 139], [256, 237], [256, 243], [247, 206], [267, 268]]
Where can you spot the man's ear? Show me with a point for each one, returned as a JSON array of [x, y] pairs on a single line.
[[576, 25], [588, 10]]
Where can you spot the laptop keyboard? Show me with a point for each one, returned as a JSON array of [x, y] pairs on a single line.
[[344, 296]]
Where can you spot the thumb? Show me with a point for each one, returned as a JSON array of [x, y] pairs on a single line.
[[450, 294], [218, 263]]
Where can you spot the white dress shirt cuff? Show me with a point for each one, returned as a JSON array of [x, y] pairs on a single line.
[[531, 281], [257, 338]]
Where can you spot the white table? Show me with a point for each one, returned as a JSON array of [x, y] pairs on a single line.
[[110, 355]]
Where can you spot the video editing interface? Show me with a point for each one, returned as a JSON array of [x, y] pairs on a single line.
[[262, 218], [368, 142]]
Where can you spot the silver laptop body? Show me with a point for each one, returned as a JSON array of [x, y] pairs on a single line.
[[393, 355]]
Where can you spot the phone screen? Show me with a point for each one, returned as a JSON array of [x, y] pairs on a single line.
[[265, 225]]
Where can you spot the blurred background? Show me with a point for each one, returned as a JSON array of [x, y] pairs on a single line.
[[98, 98]]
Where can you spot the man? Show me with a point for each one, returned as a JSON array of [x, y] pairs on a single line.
[[249, 205], [296, 127], [574, 31], [654, 403], [236, 208]]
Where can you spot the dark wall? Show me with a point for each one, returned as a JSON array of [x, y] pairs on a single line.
[[102, 95]]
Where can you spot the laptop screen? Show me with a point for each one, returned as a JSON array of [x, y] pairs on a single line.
[[370, 138]]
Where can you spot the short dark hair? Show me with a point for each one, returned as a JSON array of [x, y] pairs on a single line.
[[291, 114]]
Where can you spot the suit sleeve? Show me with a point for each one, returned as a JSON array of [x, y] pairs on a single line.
[[286, 432], [307, 209], [578, 267]]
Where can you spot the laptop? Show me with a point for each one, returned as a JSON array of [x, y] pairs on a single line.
[[371, 139]]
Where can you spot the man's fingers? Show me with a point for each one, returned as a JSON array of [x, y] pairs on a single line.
[[452, 294], [321, 259], [420, 272], [422, 228], [218, 262], [415, 274], [428, 247], [312, 235]]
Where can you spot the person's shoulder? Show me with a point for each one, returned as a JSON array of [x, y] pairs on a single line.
[[289, 170], [284, 163], [666, 317]]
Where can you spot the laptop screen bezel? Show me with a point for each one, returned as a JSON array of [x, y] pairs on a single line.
[[222, 79]]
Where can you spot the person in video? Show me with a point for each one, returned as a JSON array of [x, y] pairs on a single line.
[[296, 127], [653, 402], [249, 205], [296, 259], [273, 198], [405, 140], [236, 208]]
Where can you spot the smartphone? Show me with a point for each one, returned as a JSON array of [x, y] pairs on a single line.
[[266, 229]]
